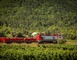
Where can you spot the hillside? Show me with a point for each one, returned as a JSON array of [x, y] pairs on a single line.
[[27, 16]]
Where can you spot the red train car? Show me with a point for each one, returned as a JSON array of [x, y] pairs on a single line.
[[18, 40], [0, 39], [39, 39]]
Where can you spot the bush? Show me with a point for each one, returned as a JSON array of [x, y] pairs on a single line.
[[2, 34], [61, 41], [40, 52], [70, 36], [19, 35]]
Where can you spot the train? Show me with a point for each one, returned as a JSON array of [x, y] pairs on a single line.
[[39, 39]]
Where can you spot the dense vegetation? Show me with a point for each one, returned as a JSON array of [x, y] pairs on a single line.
[[27, 16], [39, 52]]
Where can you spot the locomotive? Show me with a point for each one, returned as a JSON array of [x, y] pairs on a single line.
[[39, 39]]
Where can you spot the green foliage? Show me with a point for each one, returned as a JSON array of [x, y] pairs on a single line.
[[39, 15], [19, 35], [2, 34], [40, 52], [61, 41]]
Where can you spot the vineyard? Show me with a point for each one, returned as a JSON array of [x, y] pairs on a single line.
[[20, 18], [34, 51]]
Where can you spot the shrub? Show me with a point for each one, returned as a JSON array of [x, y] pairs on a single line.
[[19, 35], [61, 41], [2, 34], [41, 52]]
